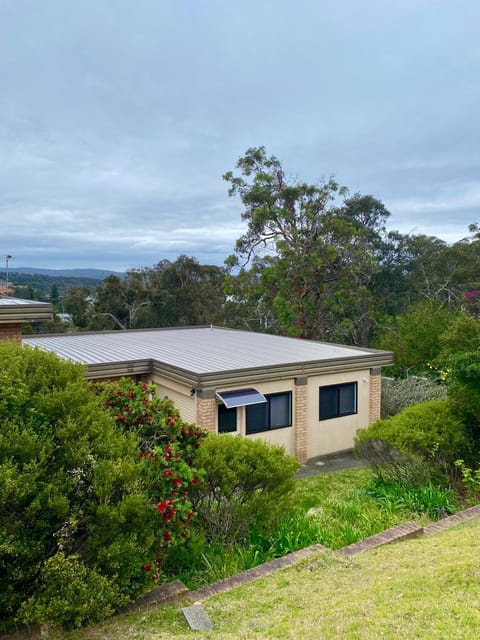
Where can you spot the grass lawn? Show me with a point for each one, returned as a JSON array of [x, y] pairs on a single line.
[[427, 588]]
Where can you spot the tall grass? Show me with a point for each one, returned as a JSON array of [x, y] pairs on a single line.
[[346, 507]]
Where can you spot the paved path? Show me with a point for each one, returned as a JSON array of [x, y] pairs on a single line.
[[328, 464]]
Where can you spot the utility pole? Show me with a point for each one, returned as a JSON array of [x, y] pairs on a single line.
[[7, 258]]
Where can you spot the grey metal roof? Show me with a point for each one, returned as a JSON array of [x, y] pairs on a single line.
[[199, 350], [19, 310], [15, 302]]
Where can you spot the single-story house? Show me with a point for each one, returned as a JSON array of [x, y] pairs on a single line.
[[308, 396]]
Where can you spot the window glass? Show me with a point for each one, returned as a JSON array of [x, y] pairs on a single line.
[[273, 414], [256, 417], [280, 410], [328, 403], [338, 400], [346, 399], [227, 419]]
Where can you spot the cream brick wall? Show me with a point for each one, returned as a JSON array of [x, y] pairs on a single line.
[[207, 414], [301, 421], [375, 396]]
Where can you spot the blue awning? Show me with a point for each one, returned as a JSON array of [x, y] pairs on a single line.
[[240, 397]]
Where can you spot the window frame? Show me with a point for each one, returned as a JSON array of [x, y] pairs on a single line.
[[249, 430], [338, 413]]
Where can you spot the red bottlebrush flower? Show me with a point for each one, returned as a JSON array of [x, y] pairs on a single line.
[[168, 515], [143, 454], [120, 418], [167, 537], [119, 393], [147, 567], [152, 454], [195, 480], [177, 481], [127, 409], [162, 506], [185, 534], [167, 473]]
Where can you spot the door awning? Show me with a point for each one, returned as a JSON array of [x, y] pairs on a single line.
[[240, 397]]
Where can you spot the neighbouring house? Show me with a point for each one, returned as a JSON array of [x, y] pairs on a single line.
[[14, 312], [310, 397]]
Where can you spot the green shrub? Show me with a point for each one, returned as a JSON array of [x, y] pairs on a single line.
[[422, 439], [71, 594], [471, 481], [81, 504], [248, 484], [400, 393]]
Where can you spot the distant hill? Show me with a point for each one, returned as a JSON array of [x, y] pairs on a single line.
[[94, 274]]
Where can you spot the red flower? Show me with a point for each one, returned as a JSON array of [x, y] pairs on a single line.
[[147, 567], [177, 481], [195, 480], [167, 537], [162, 506], [167, 473]]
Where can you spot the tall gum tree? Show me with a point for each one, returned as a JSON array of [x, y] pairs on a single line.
[[314, 249]]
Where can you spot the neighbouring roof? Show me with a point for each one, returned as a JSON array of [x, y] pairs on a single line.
[[205, 355], [18, 310]]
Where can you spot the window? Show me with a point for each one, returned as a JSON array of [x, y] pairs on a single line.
[[338, 400], [275, 413], [227, 419]]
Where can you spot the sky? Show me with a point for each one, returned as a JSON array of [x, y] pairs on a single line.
[[118, 118]]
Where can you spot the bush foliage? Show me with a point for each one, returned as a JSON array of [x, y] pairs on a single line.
[[400, 393], [421, 440], [80, 503], [247, 485]]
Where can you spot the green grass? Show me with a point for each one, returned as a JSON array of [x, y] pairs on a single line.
[[427, 588], [346, 512]]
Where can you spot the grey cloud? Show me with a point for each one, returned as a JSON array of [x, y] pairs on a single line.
[[118, 120]]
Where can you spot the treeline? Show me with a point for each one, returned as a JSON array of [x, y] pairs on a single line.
[[314, 262], [41, 287]]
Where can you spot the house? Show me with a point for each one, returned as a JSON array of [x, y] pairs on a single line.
[[310, 397]]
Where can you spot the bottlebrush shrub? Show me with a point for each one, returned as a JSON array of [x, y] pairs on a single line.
[[168, 448], [155, 420]]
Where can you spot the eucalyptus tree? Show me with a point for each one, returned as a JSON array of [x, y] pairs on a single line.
[[315, 250]]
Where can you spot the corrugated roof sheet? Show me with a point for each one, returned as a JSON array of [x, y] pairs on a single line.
[[199, 350], [19, 302]]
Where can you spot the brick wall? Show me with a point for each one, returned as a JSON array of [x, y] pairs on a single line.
[[207, 413], [375, 394], [11, 331], [301, 421]]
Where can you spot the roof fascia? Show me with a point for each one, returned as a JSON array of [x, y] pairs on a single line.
[[240, 376]]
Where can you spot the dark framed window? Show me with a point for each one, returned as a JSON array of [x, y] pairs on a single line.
[[276, 413], [227, 419], [338, 400]]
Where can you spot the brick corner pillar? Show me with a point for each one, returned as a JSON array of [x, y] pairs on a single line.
[[11, 331], [375, 394], [301, 418], [207, 409]]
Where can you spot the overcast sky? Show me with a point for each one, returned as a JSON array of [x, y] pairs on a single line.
[[119, 117]]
